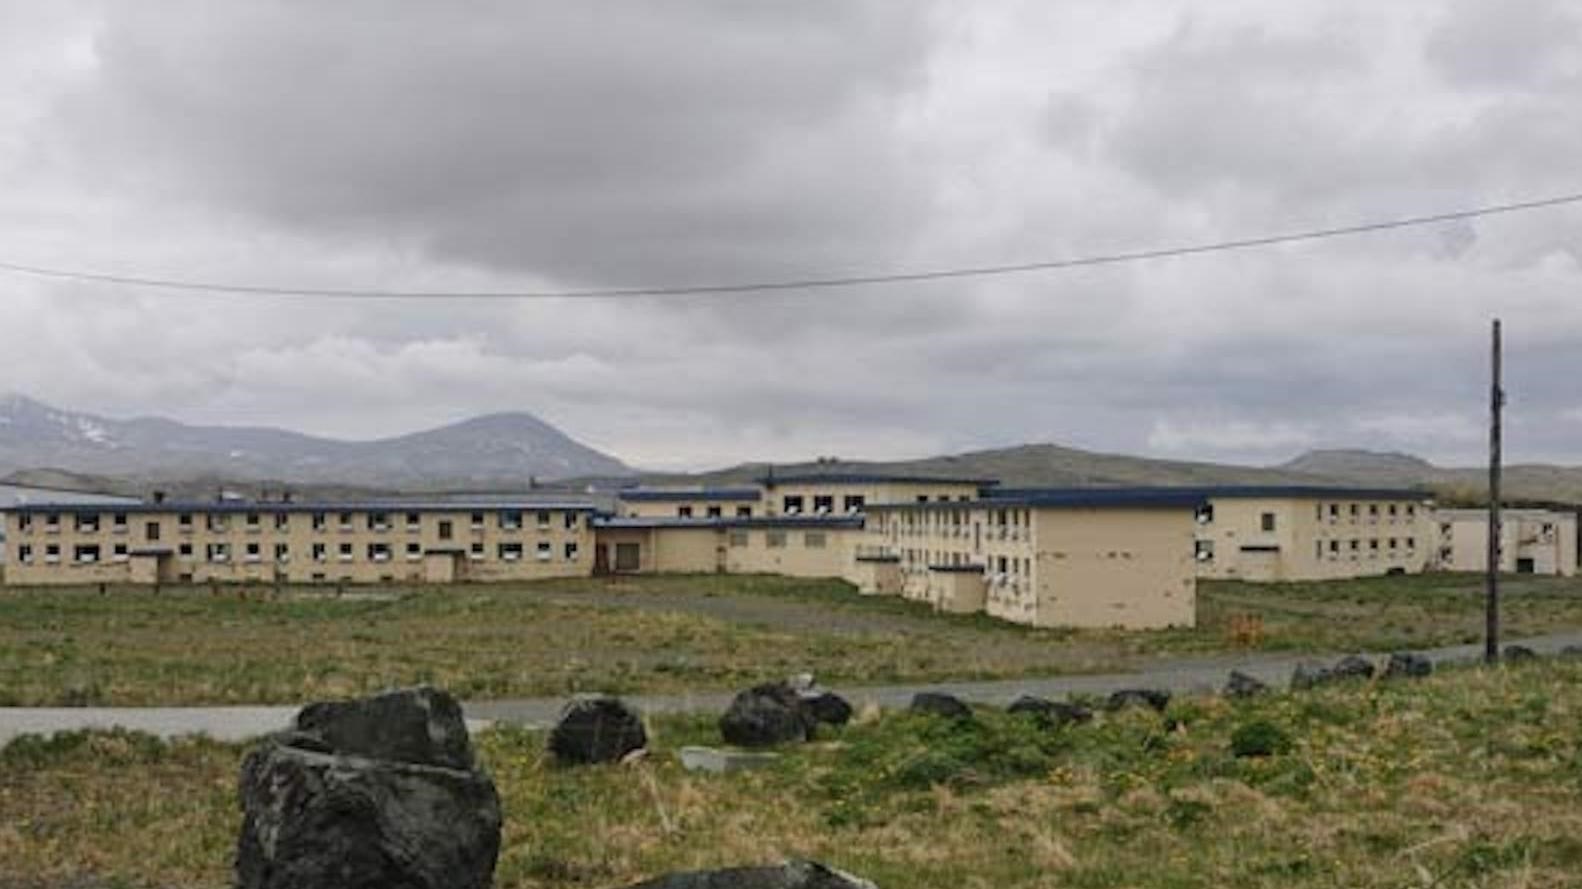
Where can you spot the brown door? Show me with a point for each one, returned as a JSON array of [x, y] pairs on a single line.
[[601, 559]]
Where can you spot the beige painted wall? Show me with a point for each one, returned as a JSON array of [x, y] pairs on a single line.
[[872, 494], [699, 508], [1115, 567], [251, 546], [1547, 537], [1314, 538]]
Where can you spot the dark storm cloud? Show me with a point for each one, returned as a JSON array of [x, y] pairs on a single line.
[[590, 142]]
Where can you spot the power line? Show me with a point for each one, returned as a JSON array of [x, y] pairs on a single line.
[[806, 284]]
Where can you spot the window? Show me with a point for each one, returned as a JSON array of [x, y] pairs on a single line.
[[88, 523], [793, 504], [217, 522], [282, 520], [570, 520], [1334, 547], [52, 553], [1204, 515], [378, 552], [86, 553], [1392, 510], [151, 531], [922, 498], [119, 553], [1411, 510], [855, 502], [414, 521], [252, 521], [1266, 521], [738, 539], [184, 521], [445, 530], [475, 552], [1354, 510], [571, 551], [1393, 543], [511, 552], [744, 512], [218, 552], [24, 522], [320, 521], [684, 512], [52, 521], [1334, 511], [544, 552], [320, 552], [543, 520], [1411, 543], [253, 552], [1373, 544], [346, 521], [24, 554], [814, 540], [378, 521], [775, 539], [1373, 510], [824, 504], [715, 512], [1203, 550], [414, 551], [118, 521], [185, 551], [511, 520], [346, 554], [282, 553], [477, 521]]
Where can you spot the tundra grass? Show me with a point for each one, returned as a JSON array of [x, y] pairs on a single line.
[[1471, 778], [662, 634]]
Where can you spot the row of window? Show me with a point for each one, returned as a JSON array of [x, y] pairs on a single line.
[[823, 504], [1355, 546], [505, 520], [220, 553], [714, 512], [931, 520], [1355, 511], [779, 539]]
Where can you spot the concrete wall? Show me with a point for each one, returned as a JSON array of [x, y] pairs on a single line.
[[871, 493], [1313, 538], [791, 551], [1546, 538], [249, 541], [699, 507], [1128, 568]]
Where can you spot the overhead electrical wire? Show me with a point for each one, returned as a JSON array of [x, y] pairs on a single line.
[[219, 288]]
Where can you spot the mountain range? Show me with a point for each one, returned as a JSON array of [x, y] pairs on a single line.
[[506, 449], [44, 445]]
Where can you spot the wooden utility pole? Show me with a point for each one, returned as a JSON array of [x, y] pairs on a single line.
[[1491, 641]]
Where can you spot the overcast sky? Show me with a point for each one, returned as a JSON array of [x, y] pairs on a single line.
[[519, 145]]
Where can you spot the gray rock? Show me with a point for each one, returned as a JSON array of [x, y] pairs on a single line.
[[828, 708], [1050, 714], [1353, 667], [417, 725], [1407, 664], [723, 762], [1310, 674], [766, 715], [1156, 698], [336, 803], [1243, 685], [1571, 652], [1518, 653], [597, 730], [791, 875], [940, 704]]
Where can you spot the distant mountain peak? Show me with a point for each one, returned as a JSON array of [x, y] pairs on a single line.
[[493, 449], [1341, 461]]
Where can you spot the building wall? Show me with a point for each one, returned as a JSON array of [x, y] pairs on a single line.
[[869, 493], [1313, 538], [792, 551], [249, 542], [700, 507], [1546, 537], [1128, 568]]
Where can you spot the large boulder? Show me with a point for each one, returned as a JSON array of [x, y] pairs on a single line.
[[1244, 685], [766, 715], [1155, 698], [1407, 664], [791, 875], [1518, 653], [1050, 714], [378, 792], [1310, 674], [938, 703], [597, 730]]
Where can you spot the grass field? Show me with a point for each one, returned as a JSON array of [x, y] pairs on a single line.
[[131, 647], [1471, 778]]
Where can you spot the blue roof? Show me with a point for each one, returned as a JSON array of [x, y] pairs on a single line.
[[868, 478], [1068, 498], [232, 507], [645, 522], [681, 495], [1313, 492]]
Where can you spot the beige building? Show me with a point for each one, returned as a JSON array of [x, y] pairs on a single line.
[[852, 493], [1050, 558], [1532, 541], [282, 542], [688, 503], [807, 546], [1265, 533]]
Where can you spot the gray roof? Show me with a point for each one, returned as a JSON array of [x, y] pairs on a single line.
[[232, 507]]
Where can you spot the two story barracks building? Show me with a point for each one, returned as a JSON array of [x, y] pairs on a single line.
[[283, 542]]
